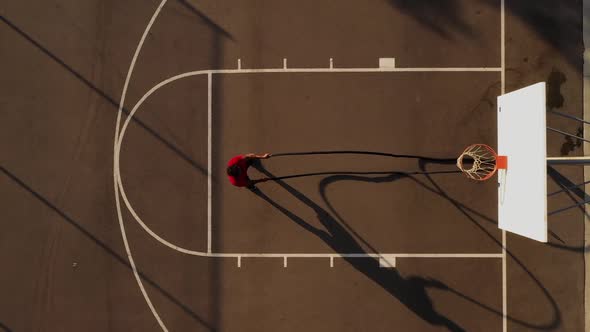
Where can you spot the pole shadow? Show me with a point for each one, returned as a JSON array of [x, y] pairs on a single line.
[[568, 187], [118, 258], [168, 144], [203, 17]]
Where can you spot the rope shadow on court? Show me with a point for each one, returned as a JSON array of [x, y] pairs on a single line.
[[410, 291]]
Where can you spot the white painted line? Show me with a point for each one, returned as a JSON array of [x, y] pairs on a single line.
[[239, 64], [239, 261], [331, 261], [116, 174], [354, 70], [503, 90], [502, 47], [120, 131], [386, 62], [209, 159], [284, 63], [360, 255], [504, 285], [387, 262], [210, 254]]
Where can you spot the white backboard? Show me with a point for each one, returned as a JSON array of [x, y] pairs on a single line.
[[522, 188]]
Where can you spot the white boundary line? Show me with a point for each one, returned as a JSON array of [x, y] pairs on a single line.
[[586, 101], [352, 70], [503, 90], [116, 173], [502, 47], [209, 160], [209, 74], [352, 255]]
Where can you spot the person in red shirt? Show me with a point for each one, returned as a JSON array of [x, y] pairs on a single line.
[[237, 169]]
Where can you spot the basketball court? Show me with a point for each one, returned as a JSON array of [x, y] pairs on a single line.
[[120, 216]]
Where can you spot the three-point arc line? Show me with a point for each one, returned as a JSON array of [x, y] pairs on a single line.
[[119, 134]]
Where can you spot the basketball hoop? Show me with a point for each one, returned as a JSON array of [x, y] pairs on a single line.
[[483, 160]]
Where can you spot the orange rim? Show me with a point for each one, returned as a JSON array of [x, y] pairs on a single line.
[[484, 162]]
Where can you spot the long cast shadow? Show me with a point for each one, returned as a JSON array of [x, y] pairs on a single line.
[[176, 150], [464, 209], [440, 16], [197, 12], [106, 248], [410, 291], [559, 23], [351, 173], [568, 187], [346, 240]]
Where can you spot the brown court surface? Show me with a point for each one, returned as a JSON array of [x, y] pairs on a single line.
[[65, 266]]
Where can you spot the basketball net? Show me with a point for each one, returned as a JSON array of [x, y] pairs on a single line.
[[480, 162]]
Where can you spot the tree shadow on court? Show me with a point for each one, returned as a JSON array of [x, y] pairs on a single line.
[[559, 23], [410, 291], [440, 16], [118, 258]]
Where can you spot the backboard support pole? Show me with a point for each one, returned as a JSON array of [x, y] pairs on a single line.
[[584, 160]]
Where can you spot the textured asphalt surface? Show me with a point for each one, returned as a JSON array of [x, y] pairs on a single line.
[[64, 264]]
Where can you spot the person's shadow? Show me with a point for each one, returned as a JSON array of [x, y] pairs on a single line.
[[411, 291]]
